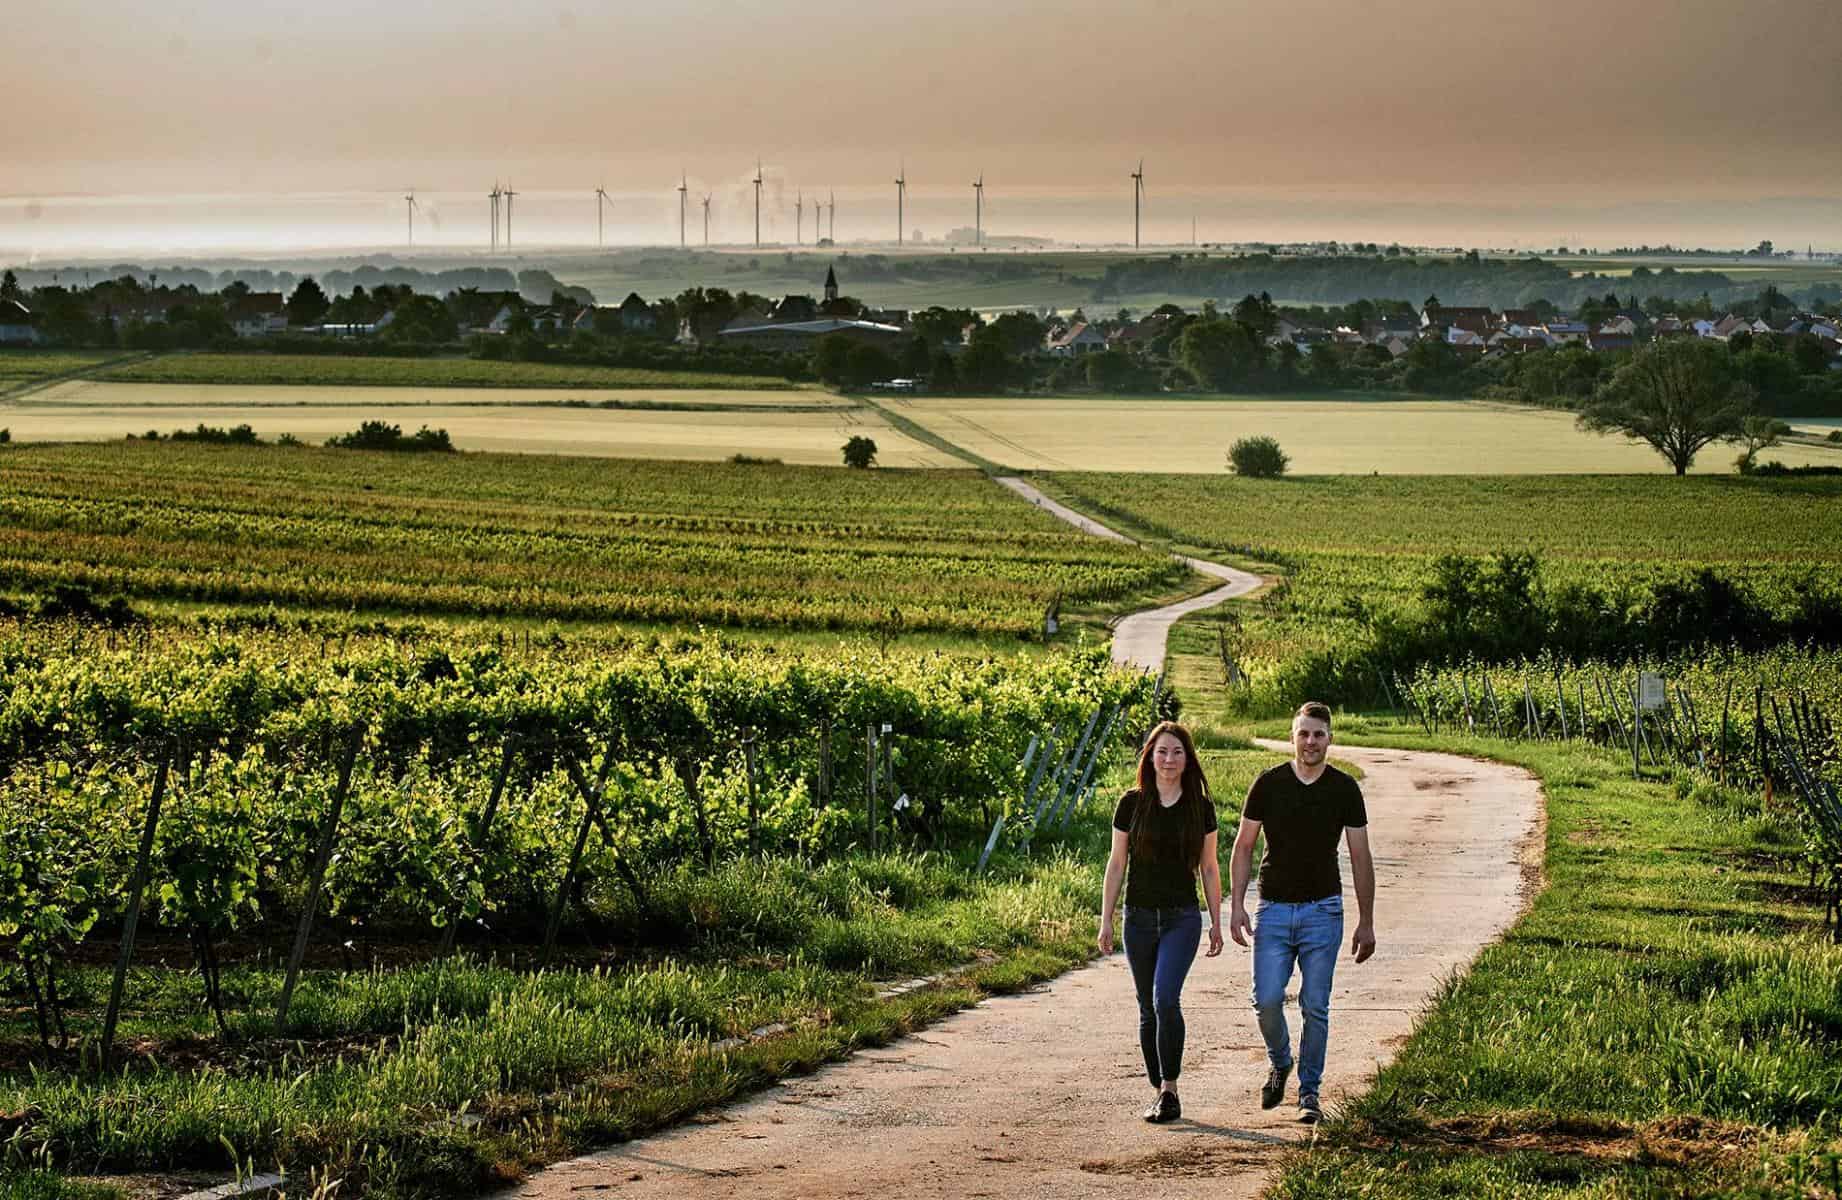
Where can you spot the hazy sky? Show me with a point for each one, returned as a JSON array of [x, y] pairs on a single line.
[[1531, 119]]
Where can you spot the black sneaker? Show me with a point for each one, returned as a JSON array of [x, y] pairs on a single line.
[[1308, 1111], [1165, 1109], [1274, 1089]]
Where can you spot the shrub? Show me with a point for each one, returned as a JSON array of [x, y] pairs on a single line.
[[1835, 435], [860, 452], [6, 435], [379, 435], [753, 460], [1258, 458]]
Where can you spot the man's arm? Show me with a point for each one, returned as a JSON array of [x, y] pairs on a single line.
[[1240, 866], [1362, 866]]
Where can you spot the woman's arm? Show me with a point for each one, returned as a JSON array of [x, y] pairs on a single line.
[[1109, 897], [1212, 892]]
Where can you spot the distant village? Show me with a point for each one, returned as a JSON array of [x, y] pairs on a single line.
[[794, 324]]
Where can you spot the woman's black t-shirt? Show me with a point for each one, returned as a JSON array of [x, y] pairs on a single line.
[[1159, 877]]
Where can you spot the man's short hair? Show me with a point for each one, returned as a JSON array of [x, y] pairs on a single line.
[[1315, 710]]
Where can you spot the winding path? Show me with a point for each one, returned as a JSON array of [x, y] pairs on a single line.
[[1037, 1094], [1139, 639]]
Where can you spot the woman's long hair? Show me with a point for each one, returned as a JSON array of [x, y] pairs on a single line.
[[1195, 794]]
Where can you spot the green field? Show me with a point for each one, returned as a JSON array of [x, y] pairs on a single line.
[[575, 539], [326, 370], [1355, 552], [19, 366], [1324, 435]]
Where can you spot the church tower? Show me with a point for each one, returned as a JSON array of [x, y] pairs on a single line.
[[831, 286]]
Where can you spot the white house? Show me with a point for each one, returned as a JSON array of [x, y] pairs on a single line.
[[259, 314]]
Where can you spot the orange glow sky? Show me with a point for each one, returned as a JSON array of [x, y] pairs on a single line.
[[1536, 114]]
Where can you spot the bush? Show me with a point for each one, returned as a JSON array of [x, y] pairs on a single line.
[[1835, 435], [1258, 458], [753, 460], [242, 435], [860, 452], [6, 435], [377, 435]]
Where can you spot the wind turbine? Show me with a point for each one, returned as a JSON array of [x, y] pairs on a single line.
[[409, 212], [757, 204], [978, 210], [901, 193], [1138, 194], [706, 220], [818, 213], [799, 218], [509, 193], [684, 188], [831, 218], [601, 198], [494, 197]]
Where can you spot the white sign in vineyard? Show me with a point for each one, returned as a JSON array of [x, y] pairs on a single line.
[[1651, 693]]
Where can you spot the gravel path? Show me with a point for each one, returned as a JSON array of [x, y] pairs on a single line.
[[1037, 1094]]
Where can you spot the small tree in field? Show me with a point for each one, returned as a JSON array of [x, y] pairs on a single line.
[[1258, 457], [860, 452]]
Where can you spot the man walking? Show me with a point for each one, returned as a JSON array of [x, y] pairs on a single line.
[[1302, 806]]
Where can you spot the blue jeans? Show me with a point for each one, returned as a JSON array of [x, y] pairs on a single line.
[[1160, 946], [1308, 934]]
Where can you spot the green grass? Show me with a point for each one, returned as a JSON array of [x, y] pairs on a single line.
[[19, 366], [342, 371], [533, 538], [1664, 1021]]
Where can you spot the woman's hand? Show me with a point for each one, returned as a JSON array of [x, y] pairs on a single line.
[[1105, 941], [1215, 941]]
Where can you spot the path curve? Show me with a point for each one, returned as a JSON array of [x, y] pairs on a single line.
[[1037, 1094], [1139, 640]]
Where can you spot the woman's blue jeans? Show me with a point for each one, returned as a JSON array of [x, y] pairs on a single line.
[[1308, 934], [1160, 946]]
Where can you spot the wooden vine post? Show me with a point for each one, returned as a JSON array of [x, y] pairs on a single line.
[[329, 834], [479, 837], [142, 867]]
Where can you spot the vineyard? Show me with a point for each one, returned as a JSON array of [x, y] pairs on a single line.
[[731, 839], [762, 546]]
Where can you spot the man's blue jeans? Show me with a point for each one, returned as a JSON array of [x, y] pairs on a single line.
[[1160, 946], [1308, 934]]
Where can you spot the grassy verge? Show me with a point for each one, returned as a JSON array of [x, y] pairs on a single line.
[[367, 371], [1666, 1020]]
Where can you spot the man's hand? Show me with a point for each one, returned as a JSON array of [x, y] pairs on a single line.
[[1215, 941], [1240, 928], [1105, 940], [1362, 945]]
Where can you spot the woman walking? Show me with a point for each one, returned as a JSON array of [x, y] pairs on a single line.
[[1165, 830]]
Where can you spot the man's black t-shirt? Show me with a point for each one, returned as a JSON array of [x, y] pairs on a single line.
[[1302, 822], [1159, 877]]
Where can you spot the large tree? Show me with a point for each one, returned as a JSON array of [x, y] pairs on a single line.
[[1678, 395]]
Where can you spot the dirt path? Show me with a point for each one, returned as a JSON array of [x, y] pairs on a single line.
[[1139, 640], [1038, 1094]]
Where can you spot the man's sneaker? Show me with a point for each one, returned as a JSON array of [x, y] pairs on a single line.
[[1274, 1089], [1308, 1111]]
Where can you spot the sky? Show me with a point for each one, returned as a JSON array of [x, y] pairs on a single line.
[[201, 124]]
